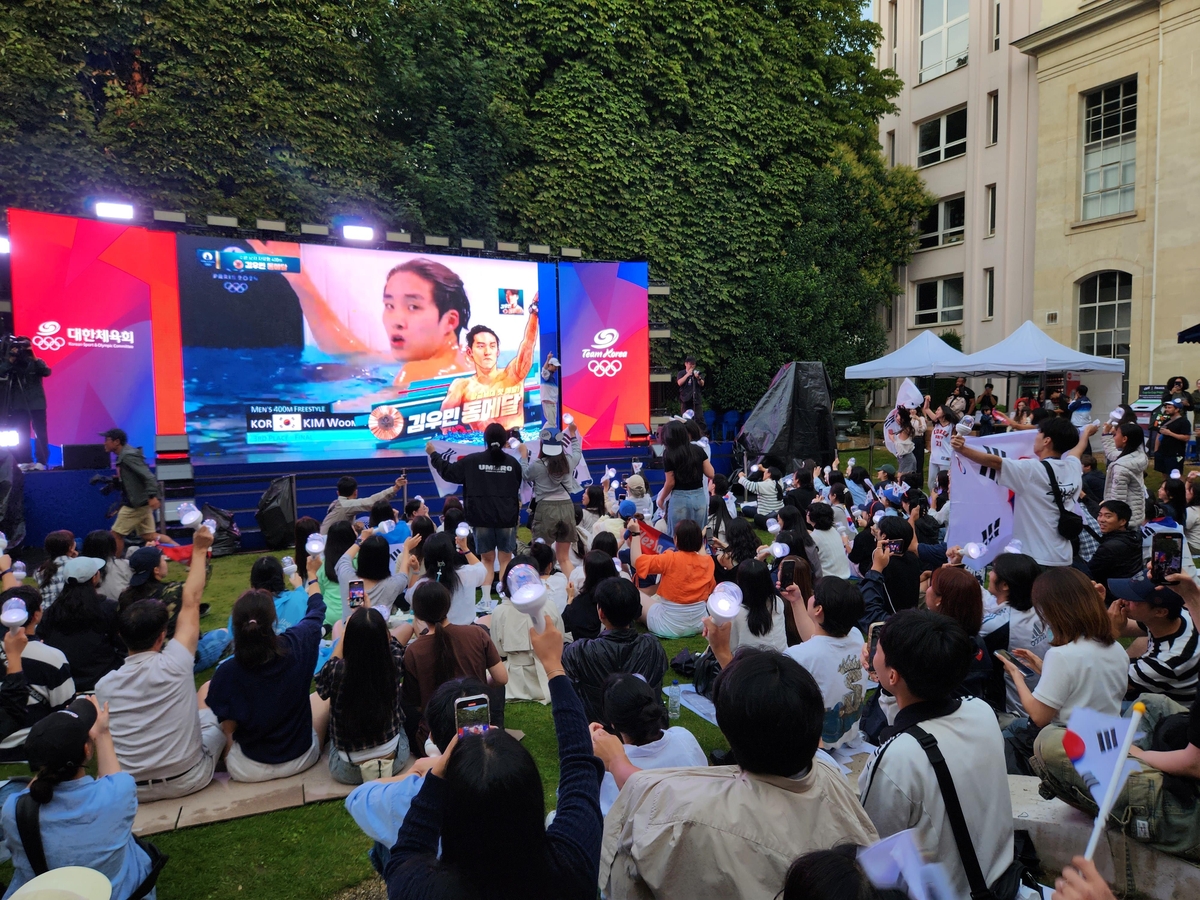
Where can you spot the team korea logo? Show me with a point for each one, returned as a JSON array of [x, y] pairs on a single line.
[[603, 361], [46, 337]]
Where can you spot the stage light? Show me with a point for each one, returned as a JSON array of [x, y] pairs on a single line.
[[5, 245], [10, 438], [358, 233], [107, 209], [636, 433]]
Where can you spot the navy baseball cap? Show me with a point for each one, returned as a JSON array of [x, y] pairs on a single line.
[[1140, 588]]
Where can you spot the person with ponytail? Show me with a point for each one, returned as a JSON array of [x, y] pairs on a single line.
[[82, 821], [634, 712], [553, 480], [444, 556], [443, 651], [59, 547], [260, 695], [115, 575]]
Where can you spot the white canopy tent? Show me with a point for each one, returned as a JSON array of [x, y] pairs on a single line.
[[926, 354]]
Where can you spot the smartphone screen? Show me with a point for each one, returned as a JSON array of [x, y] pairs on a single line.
[[1016, 661], [471, 715], [357, 593], [895, 547], [873, 643], [787, 573], [1166, 556]]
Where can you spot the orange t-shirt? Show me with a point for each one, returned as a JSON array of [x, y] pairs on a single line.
[[684, 577]]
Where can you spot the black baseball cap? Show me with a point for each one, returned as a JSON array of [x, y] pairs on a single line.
[[60, 739], [116, 434], [1141, 588]]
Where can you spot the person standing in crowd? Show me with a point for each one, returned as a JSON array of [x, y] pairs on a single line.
[[1058, 447], [686, 466], [139, 488], [1177, 389], [348, 504], [552, 476], [1080, 407], [690, 381], [1124, 478], [986, 404], [491, 481], [550, 392], [1173, 430], [944, 418], [21, 375], [962, 399]]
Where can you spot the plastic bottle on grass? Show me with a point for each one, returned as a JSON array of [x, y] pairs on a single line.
[[673, 695]]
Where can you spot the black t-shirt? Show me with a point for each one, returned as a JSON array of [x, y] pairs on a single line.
[[1176, 446], [689, 483], [986, 403]]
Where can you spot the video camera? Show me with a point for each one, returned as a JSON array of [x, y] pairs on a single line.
[[18, 347], [108, 483]]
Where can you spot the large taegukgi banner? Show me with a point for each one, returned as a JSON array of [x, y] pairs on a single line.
[[981, 511], [310, 350]]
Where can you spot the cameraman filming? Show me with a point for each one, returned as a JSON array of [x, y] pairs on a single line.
[[21, 391], [690, 381], [139, 487]]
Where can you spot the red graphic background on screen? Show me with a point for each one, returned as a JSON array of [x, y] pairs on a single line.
[[605, 327], [101, 302]]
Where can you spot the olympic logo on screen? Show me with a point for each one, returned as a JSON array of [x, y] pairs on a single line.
[[236, 287], [604, 368], [48, 343], [48, 328], [605, 338]]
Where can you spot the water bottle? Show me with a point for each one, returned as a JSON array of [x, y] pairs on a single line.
[[673, 694], [289, 567]]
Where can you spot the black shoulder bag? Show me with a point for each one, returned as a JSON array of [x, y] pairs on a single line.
[[1007, 885], [1070, 524], [30, 831]]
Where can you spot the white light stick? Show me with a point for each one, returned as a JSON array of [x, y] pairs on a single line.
[[1110, 795], [773, 526], [1175, 474], [14, 614], [18, 571], [211, 525], [513, 443], [850, 462], [965, 425], [1095, 423], [463, 530], [974, 550], [189, 516], [724, 602], [1116, 415], [689, 414], [754, 468], [315, 545], [610, 474], [878, 517], [779, 551], [615, 483], [1014, 546], [386, 526], [289, 566], [419, 498], [3, 543], [527, 593], [568, 419]]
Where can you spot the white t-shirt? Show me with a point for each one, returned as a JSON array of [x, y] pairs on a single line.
[[939, 445], [836, 665], [775, 639], [462, 604], [677, 747], [556, 589], [1035, 514], [832, 552], [1083, 673], [1026, 631]]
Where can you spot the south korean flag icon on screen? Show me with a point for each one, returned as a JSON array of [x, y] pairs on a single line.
[[285, 422]]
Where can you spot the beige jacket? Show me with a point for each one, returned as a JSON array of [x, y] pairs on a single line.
[[510, 633], [722, 832]]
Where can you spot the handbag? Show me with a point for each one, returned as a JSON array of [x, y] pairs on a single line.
[[30, 831], [1070, 524]]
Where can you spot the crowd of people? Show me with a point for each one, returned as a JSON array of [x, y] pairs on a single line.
[[857, 628]]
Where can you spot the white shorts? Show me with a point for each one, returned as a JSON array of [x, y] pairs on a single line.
[[212, 741], [675, 620], [242, 768]]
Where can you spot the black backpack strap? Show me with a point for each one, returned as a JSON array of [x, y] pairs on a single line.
[[958, 822], [1058, 500], [30, 831]]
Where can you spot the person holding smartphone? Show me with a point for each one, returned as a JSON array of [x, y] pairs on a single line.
[[367, 567]]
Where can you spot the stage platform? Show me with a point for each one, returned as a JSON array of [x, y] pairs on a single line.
[[60, 498]]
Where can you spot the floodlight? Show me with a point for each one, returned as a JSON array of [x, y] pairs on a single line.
[[107, 209], [5, 245], [358, 233]]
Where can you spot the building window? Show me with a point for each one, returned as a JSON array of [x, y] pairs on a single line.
[[1109, 150], [993, 117], [893, 23], [991, 210], [996, 25], [943, 37], [940, 302], [989, 293], [943, 224], [942, 138], [891, 136], [1105, 309]]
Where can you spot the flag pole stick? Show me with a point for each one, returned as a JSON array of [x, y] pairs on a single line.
[[1110, 795]]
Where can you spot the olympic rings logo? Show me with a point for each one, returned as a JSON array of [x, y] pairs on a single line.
[[236, 287], [604, 368], [48, 343]]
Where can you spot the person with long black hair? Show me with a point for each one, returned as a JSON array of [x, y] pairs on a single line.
[[1124, 479], [740, 544], [685, 466], [371, 563], [361, 681], [59, 547], [83, 625], [581, 618], [483, 802], [510, 634], [448, 562], [760, 623], [1173, 495], [338, 540], [306, 527], [115, 575]]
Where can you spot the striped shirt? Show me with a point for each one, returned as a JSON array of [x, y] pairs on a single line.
[[1170, 664], [770, 495], [50, 688]]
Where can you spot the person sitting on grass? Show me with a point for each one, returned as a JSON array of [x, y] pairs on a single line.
[[447, 561], [686, 580], [761, 621], [291, 601], [361, 681], [260, 695], [483, 800], [831, 546], [731, 831], [82, 821], [827, 623], [634, 712], [167, 739], [83, 624], [383, 511], [59, 547], [115, 575], [554, 580], [371, 563], [581, 619], [620, 647], [510, 633]]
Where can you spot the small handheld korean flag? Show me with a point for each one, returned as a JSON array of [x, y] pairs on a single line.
[[1098, 747]]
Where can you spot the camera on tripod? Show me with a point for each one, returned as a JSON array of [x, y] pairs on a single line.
[[19, 348]]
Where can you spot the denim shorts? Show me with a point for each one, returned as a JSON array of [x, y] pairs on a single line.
[[489, 539]]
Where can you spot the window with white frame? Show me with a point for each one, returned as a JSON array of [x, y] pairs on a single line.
[[942, 138], [939, 302], [1109, 150], [945, 223], [996, 25], [993, 117], [1105, 310], [943, 37], [989, 293], [991, 210]]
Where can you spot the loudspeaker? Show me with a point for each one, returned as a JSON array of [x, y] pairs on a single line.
[[85, 456]]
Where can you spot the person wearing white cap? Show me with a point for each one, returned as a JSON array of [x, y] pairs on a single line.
[[550, 391]]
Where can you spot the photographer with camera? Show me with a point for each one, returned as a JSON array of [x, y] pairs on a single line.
[[139, 487], [22, 396], [690, 381]]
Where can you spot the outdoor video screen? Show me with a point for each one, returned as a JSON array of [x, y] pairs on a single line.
[[294, 351]]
